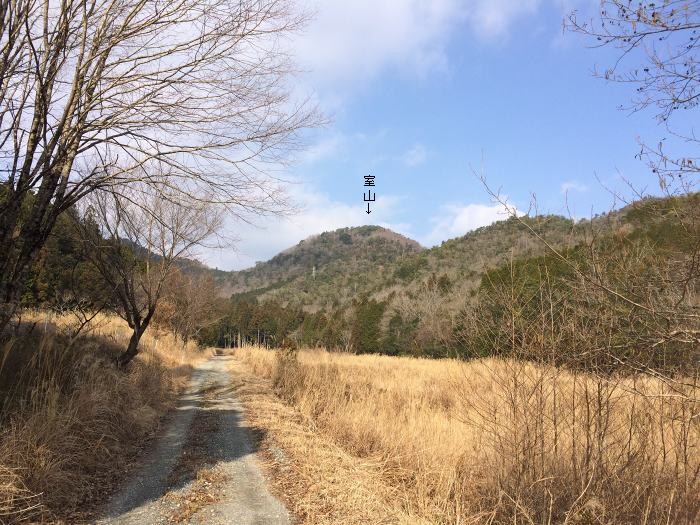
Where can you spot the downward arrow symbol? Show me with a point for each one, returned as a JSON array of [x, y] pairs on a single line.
[[368, 210]]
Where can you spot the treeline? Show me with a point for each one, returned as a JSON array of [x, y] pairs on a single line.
[[114, 257], [241, 321], [624, 294]]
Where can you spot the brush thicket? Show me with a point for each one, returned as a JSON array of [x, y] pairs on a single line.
[[70, 419], [502, 441]]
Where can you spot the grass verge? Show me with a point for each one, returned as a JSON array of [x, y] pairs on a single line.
[[319, 481], [372, 439], [71, 423]]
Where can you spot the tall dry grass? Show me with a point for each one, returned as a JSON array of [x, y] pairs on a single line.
[[499, 441], [70, 421]]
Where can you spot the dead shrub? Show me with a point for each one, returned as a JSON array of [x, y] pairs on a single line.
[[71, 420], [501, 440]]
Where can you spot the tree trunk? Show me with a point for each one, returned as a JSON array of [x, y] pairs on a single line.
[[132, 350], [20, 246], [7, 311], [9, 296], [14, 280]]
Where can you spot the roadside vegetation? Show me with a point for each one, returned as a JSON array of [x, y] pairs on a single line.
[[104, 201], [71, 422], [485, 441]]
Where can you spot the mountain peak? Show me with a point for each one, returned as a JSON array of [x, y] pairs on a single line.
[[345, 250]]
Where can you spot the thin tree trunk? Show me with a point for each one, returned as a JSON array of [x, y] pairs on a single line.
[[18, 254], [139, 327], [7, 311], [132, 349], [14, 280], [9, 296]]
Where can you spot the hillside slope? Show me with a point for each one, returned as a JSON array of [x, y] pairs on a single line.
[[330, 269], [372, 290], [313, 271]]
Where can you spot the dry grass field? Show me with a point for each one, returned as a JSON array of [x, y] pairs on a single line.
[[373, 439], [70, 421]]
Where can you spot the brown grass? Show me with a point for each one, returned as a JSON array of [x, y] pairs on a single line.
[[489, 441], [320, 482], [71, 422]]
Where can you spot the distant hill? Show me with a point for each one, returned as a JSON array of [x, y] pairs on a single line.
[[334, 288], [321, 264], [328, 270]]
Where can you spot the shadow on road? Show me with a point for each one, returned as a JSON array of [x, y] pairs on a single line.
[[203, 431]]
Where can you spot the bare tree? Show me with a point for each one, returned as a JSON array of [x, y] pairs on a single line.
[[430, 307], [658, 44], [93, 93], [658, 55], [191, 299], [139, 238]]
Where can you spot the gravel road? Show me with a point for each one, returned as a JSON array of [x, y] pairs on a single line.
[[202, 469]]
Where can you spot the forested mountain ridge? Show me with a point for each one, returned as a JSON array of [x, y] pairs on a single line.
[[371, 290], [329, 269], [330, 258]]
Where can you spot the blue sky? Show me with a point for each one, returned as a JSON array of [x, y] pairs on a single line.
[[423, 94]]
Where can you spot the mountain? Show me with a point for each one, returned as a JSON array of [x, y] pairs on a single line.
[[331, 269], [323, 263], [334, 288]]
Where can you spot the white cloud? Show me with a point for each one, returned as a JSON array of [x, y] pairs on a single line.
[[573, 185], [415, 156], [456, 220], [348, 43], [323, 149], [319, 213], [492, 18]]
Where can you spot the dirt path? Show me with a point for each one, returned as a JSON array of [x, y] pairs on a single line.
[[202, 469]]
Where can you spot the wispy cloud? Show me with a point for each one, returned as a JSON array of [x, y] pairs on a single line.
[[493, 18], [323, 148], [347, 44], [456, 220], [573, 185], [414, 156]]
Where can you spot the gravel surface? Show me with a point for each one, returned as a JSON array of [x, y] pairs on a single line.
[[202, 469]]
